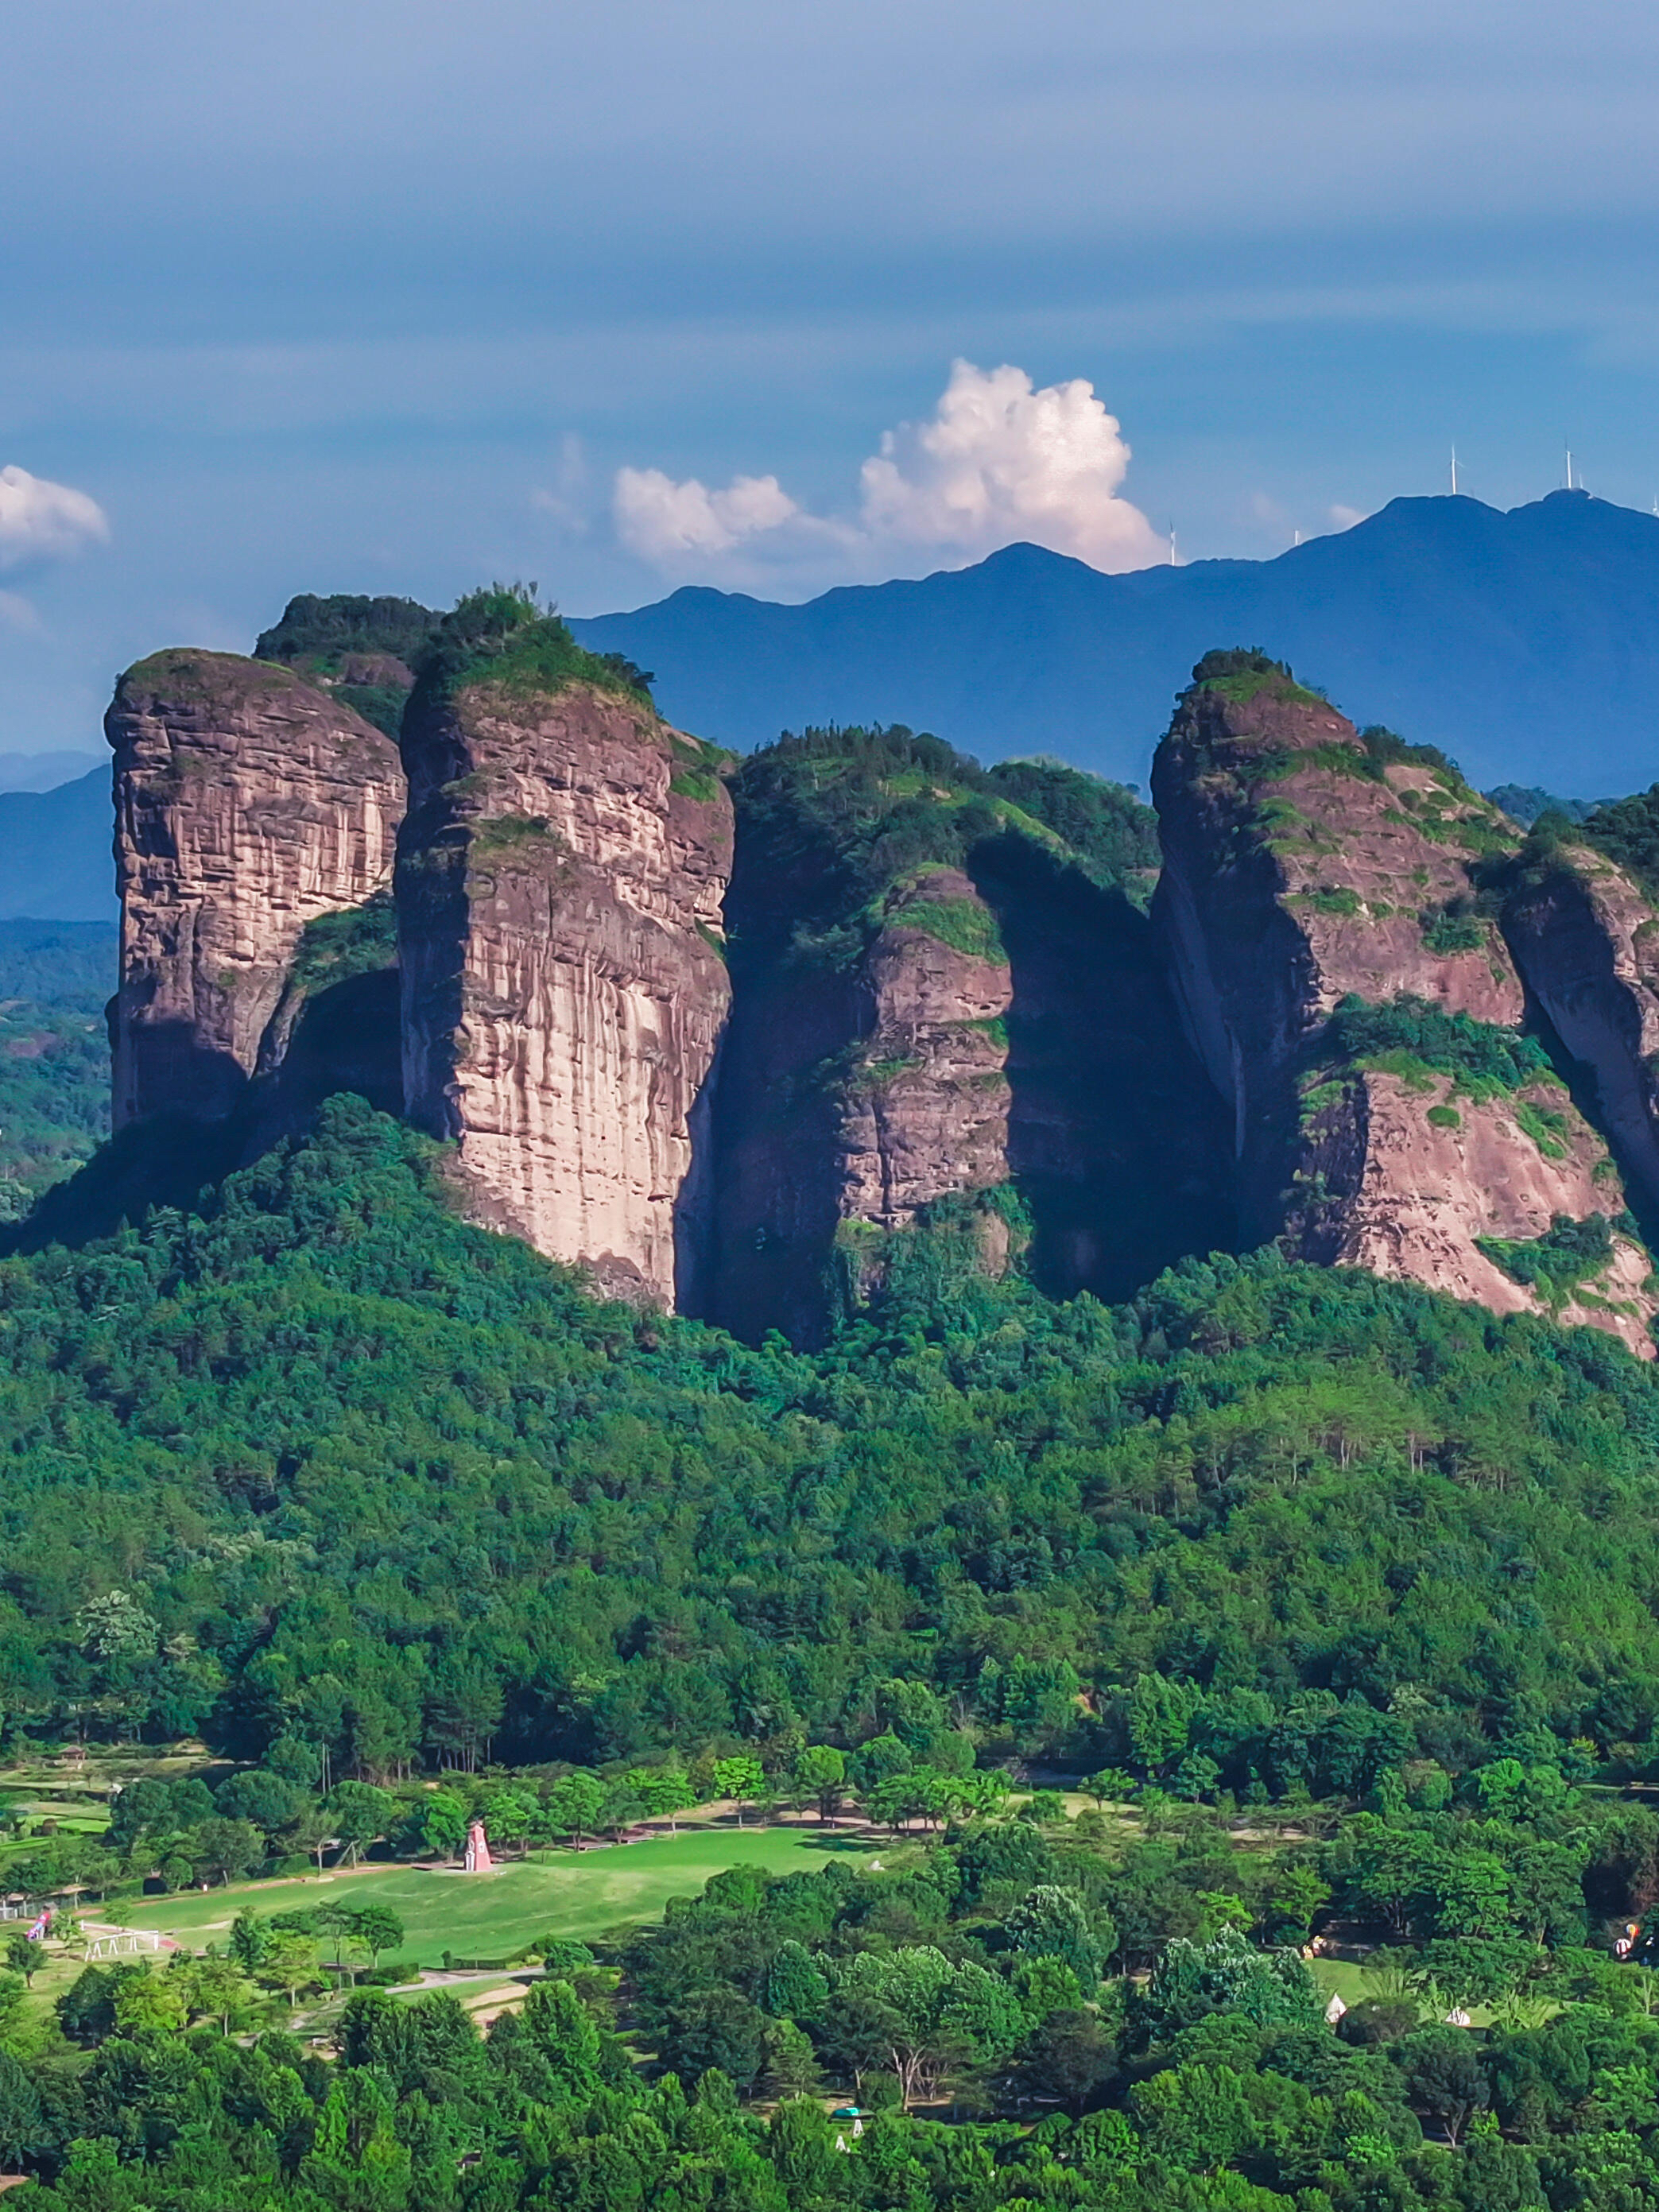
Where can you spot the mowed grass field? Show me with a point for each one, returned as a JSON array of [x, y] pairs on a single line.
[[490, 1916]]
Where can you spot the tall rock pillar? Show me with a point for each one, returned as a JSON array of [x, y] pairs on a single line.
[[247, 806], [564, 989]]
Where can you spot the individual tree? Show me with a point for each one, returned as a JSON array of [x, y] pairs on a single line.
[[250, 1940], [439, 1825], [152, 2003], [794, 1988], [564, 2032], [715, 2028], [25, 2133], [743, 1779], [1443, 2077], [359, 1814], [508, 1815], [271, 1803], [878, 1759], [937, 2014], [377, 1928], [621, 1806], [289, 1963], [23, 1958], [218, 1989], [821, 1775], [791, 2069], [355, 2159], [1197, 2117], [1051, 1922], [229, 1849], [575, 1803], [665, 1791], [1111, 1785], [1066, 2059]]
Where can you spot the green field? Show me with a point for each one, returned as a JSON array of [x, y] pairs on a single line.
[[584, 1894]]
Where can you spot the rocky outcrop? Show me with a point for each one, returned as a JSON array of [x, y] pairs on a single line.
[[854, 1096], [1586, 939], [1305, 868], [1445, 1181], [560, 877], [925, 1102], [248, 807]]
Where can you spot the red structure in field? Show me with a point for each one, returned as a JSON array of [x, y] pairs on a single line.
[[478, 1860]]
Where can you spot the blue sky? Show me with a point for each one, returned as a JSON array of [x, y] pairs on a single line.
[[383, 294]]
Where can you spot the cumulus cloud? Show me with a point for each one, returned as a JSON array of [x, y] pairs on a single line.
[[997, 462], [1001, 461], [40, 520], [665, 521]]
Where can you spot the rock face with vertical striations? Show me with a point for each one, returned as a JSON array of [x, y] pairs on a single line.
[[1360, 1014], [925, 1102], [865, 1078], [564, 990], [248, 807], [1585, 937], [948, 1028]]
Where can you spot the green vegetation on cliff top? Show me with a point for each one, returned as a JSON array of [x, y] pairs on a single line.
[[320, 631], [833, 819], [502, 635]]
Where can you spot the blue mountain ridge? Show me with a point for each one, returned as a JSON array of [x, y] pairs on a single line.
[[1524, 643], [56, 861]]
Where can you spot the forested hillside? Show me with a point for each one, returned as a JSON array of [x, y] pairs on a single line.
[[54, 1053], [395, 1486], [348, 1486]]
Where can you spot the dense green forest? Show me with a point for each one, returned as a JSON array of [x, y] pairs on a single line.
[[1036, 2011], [1337, 1600], [387, 1484], [54, 1053]]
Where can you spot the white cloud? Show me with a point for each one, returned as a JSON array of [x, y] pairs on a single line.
[[998, 462], [1001, 462], [1344, 518], [40, 520], [665, 521]]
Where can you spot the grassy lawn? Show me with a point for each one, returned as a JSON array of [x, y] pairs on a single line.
[[584, 1894]]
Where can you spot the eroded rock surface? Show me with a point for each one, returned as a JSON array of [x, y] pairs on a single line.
[[247, 806], [1586, 939], [1304, 869], [564, 993], [925, 1109]]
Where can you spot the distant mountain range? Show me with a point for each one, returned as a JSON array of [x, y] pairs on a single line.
[[44, 771], [55, 851], [1525, 644]]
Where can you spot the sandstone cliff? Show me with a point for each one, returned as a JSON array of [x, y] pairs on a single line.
[[248, 807], [936, 999], [564, 993], [1586, 939], [1307, 868], [925, 1103], [853, 1100]]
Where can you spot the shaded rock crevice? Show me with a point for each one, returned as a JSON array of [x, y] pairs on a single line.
[[1585, 939]]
